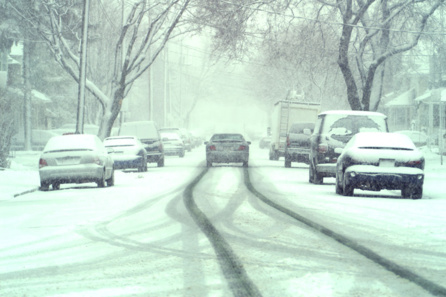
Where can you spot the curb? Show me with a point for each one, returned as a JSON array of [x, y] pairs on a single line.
[[25, 192]]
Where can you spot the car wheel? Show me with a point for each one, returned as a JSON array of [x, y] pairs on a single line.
[[160, 162], [412, 191], [44, 186], [339, 187], [208, 163], [181, 155], [141, 167], [287, 163], [271, 156], [315, 177], [101, 182], [56, 186], [111, 180], [347, 189], [245, 164]]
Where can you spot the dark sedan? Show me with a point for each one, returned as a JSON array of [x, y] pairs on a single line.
[[378, 160], [128, 152], [227, 148]]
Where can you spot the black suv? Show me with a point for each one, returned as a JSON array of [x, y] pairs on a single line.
[[297, 147], [333, 130]]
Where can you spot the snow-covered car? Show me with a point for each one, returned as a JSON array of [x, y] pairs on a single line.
[[378, 160], [184, 134], [75, 158], [227, 148], [173, 144], [128, 152], [71, 129]]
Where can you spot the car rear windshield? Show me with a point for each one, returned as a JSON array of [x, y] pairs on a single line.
[[351, 124], [227, 137]]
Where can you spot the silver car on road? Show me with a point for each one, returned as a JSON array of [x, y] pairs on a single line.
[[227, 148]]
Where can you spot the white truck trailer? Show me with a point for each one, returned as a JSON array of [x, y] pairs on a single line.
[[285, 113]]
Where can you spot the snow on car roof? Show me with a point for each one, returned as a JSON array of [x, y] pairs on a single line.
[[353, 112], [72, 141], [170, 135], [381, 139], [120, 140]]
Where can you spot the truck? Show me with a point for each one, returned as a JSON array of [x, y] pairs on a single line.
[[285, 113]]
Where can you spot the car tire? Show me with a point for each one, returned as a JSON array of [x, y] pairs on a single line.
[[245, 164], [181, 155], [208, 163], [56, 186], [160, 162], [142, 166], [44, 186], [347, 189], [314, 176], [339, 187], [101, 182], [111, 180], [412, 191], [287, 163]]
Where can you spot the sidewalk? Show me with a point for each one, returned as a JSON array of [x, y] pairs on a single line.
[[22, 177]]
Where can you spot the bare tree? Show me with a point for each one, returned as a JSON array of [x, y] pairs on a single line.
[[369, 31], [146, 29]]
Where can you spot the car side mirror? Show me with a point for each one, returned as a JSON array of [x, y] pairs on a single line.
[[206, 142], [338, 150], [248, 142]]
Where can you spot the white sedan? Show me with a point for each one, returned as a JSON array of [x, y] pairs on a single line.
[[75, 158], [378, 160]]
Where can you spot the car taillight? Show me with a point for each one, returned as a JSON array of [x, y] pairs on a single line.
[[322, 148], [212, 148], [241, 148], [42, 163]]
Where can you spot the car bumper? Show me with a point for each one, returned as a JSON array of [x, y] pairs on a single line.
[[127, 162], [297, 155], [376, 178], [71, 174], [327, 169], [227, 157], [154, 157], [173, 151]]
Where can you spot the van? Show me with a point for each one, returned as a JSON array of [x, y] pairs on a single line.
[[333, 130], [148, 134]]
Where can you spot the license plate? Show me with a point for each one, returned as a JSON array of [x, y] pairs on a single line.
[[387, 162], [68, 161]]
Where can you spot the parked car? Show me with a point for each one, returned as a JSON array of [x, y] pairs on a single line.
[[418, 138], [147, 132], [128, 152], [297, 147], [227, 148], [377, 160], [173, 144], [184, 134], [333, 129], [75, 158], [265, 142]]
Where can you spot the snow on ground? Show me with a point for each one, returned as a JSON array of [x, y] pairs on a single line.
[[283, 258]]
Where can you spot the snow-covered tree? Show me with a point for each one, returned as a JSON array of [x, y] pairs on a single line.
[[134, 44]]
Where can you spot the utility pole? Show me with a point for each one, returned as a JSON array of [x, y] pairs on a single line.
[[82, 69]]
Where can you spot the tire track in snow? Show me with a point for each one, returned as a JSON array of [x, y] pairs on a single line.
[[238, 280], [424, 283]]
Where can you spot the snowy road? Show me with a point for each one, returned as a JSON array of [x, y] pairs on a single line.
[[140, 239]]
